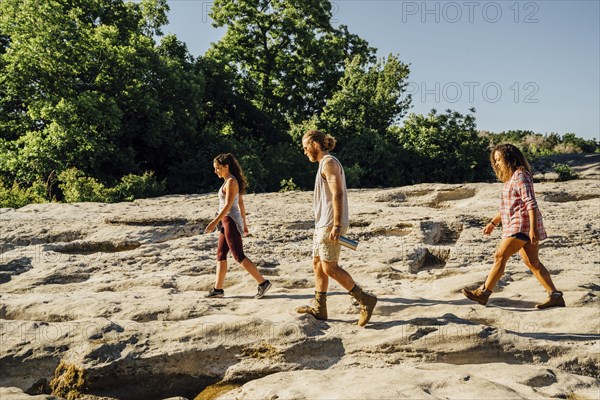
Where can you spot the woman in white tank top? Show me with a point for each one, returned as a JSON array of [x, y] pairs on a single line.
[[232, 221]]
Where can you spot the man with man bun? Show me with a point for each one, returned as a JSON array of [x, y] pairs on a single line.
[[331, 221]]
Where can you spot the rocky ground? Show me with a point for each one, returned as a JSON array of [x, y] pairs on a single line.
[[108, 298]]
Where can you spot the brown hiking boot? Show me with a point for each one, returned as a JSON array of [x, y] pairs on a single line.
[[480, 295], [367, 304], [318, 309], [555, 299]]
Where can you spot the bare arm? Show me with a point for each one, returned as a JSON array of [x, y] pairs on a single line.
[[533, 225], [243, 212], [495, 221], [333, 175], [231, 189]]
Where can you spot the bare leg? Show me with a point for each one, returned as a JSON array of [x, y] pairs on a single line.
[[504, 251], [529, 254], [321, 278], [333, 270], [252, 270], [221, 271]]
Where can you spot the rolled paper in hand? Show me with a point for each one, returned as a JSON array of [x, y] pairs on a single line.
[[349, 243]]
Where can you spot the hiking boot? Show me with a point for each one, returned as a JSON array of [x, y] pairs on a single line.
[[480, 295], [215, 293], [367, 304], [262, 289], [318, 309], [555, 299]]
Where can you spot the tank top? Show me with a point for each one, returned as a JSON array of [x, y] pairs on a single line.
[[234, 213], [323, 200]]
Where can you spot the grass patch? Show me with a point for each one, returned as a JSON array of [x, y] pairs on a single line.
[[68, 381], [263, 350], [213, 391]]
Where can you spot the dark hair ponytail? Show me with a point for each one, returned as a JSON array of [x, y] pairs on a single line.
[[234, 168]]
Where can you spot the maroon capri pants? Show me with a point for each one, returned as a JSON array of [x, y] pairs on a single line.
[[230, 239]]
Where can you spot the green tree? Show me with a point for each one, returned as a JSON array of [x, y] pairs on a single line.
[[85, 86], [286, 54], [370, 98], [444, 147]]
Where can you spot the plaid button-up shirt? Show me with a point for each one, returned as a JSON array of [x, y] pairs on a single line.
[[518, 198]]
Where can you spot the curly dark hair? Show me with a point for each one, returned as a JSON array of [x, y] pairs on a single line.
[[513, 159], [234, 168]]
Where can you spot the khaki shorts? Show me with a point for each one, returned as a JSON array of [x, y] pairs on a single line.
[[324, 248]]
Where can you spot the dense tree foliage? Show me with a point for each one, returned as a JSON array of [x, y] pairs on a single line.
[[85, 86], [93, 108], [286, 54], [368, 101], [536, 144], [445, 147]]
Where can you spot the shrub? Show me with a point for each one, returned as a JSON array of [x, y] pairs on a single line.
[[565, 148], [17, 197], [534, 145], [564, 172], [134, 187], [76, 187], [586, 146], [288, 185], [354, 174]]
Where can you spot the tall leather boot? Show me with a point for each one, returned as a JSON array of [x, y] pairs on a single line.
[[367, 304], [319, 307]]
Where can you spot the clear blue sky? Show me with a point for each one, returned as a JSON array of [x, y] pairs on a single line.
[[530, 65]]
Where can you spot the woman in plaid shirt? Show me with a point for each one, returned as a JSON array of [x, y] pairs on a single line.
[[522, 225]]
